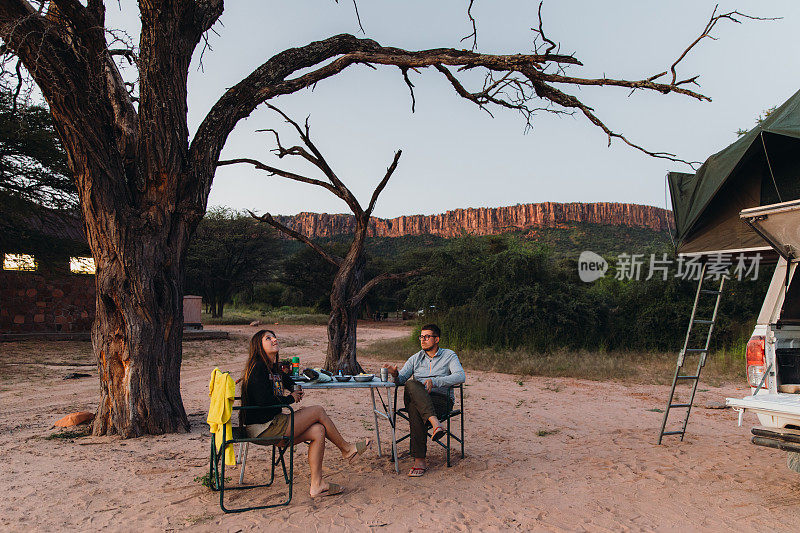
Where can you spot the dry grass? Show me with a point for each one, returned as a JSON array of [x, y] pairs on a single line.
[[241, 316], [634, 367]]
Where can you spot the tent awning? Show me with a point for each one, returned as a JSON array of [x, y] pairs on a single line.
[[760, 168]]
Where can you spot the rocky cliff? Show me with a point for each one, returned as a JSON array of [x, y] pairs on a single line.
[[486, 220]]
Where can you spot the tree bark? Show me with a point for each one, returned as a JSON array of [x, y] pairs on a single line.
[[137, 336], [343, 320]]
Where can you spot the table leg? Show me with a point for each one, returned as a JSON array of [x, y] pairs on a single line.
[[392, 420], [375, 414]]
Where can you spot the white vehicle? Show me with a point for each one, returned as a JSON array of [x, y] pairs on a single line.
[[750, 181], [773, 352]]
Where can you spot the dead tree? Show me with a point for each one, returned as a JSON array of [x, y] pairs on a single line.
[[143, 186], [349, 288]]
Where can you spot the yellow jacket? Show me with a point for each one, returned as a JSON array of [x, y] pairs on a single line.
[[221, 390]]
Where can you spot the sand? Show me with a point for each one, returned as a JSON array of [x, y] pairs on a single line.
[[542, 454]]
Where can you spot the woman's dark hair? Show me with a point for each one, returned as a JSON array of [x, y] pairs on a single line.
[[256, 352]]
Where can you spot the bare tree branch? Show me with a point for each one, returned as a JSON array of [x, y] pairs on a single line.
[[127, 53], [266, 217], [273, 78], [278, 172], [410, 87], [566, 100], [551, 45], [731, 16], [368, 286], [382, 184], [319, 161], [474, 34]]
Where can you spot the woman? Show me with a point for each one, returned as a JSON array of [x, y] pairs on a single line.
[[264, 384]]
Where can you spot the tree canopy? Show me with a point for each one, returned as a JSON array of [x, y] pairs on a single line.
[[229, 251], [33, 165]]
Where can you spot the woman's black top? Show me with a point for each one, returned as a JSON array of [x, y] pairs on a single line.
[[265, 387]]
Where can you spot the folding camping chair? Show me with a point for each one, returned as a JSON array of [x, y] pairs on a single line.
[[280, 445], [454, 412]]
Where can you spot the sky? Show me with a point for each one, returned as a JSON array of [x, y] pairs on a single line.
[[454, 154]]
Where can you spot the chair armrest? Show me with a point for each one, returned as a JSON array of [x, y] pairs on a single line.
[[262, 407]]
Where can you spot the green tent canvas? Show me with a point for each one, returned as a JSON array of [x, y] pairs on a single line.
[[761, 168]]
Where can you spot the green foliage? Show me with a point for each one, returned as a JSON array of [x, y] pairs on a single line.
[[506, 293], [307, 279], [38, 199], [206, 480], [759, 120], [267, 315], [230, 250], [511, 292], [33, 165]]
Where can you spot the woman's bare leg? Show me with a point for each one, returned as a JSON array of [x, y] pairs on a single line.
[[315, 436], [314, 414]]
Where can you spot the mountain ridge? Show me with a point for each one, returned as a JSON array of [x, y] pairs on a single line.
[[486, 220]]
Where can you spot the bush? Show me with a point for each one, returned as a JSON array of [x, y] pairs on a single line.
[[510, 293]]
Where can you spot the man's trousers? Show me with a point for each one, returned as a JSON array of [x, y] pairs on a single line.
[[421, 406]]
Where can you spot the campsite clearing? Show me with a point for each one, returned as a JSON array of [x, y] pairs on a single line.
[[557, 454]]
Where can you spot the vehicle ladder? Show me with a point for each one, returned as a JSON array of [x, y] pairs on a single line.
[[694, 378]]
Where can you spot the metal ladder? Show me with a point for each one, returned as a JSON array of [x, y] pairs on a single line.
[[694, 379]]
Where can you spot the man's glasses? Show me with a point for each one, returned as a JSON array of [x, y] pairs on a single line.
[[426, 337]]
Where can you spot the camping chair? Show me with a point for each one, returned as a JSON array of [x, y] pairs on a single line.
[[456, 411], [280, 445]]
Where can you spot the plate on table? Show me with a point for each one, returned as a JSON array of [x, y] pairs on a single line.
[[363, 378], [343, 378]]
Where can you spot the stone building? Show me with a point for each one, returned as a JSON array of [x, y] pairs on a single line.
[[46, 283]]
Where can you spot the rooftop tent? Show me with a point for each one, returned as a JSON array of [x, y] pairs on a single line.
[[761, 168]]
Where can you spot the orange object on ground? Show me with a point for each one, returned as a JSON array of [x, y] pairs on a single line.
[[75, 419]]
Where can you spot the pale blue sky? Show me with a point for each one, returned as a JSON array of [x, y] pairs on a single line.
[[455, 155]]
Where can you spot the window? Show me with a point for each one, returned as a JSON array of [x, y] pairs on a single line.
[[81, 265], [24, 262]]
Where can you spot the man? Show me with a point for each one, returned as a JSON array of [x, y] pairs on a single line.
[[427, 376]]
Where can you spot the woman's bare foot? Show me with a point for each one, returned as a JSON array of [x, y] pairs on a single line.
[[325, 489]]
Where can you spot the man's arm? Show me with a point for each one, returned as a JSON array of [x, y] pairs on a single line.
[[407, 371], [455, 377]]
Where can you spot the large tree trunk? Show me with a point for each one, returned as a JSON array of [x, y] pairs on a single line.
[[343, 320], [137, 336]]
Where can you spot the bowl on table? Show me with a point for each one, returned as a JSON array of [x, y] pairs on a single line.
[[364, 377], [342, 378]]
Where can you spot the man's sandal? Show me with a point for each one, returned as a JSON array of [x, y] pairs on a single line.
[[438, 433], [416, 472]]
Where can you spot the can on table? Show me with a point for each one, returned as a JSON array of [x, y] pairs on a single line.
[[295, 366]]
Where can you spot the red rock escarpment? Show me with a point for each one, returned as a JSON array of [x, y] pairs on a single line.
[[486, 220]]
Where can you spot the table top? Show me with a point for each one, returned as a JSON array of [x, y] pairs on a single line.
[[375, 383]]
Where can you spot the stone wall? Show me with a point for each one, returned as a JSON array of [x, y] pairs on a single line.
[[46, 302]]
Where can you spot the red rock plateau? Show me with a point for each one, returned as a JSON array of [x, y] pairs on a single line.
[[486, 220]]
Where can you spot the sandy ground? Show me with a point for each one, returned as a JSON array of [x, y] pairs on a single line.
[[542, 454]]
